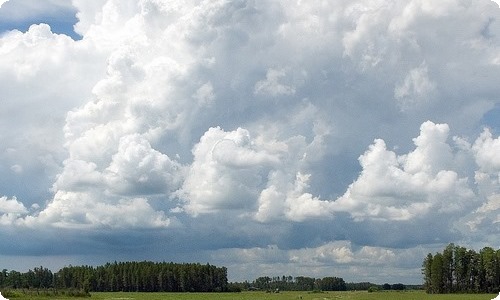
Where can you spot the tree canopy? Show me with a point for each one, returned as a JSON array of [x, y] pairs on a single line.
[[460, 270], [123, 276]]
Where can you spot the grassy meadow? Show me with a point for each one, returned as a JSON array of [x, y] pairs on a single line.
[[361, 295]]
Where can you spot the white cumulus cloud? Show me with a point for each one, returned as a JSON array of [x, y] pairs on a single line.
[[392, 187]]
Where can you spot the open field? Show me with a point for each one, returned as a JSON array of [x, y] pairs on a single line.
[[362, 295]]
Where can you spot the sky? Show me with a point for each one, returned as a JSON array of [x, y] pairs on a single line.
[[342, 138]]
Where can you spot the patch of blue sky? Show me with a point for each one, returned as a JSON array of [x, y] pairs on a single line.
[[56, 25], [18, 15], [492, 119]]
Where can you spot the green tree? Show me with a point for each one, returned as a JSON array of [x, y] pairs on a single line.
[[398, 287], [437, 276], [488, 271], [305, 283], [474, 272], [3, 278], [427, 273], [448, 268], [332, 284], [461, 267], [263, 282], [458, 269]]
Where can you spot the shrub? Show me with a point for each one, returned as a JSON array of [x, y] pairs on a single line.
[[372, 289]]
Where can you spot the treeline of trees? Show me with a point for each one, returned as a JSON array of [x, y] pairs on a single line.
[[123, 276], [289, 283], [368, 286], [302, 283], [461, 270]]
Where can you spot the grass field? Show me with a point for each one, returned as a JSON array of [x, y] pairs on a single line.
[[362, 295]]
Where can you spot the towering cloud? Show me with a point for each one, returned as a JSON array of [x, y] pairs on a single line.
[[294, 122]]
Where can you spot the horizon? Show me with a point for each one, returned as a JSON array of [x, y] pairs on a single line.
[[220, 266]]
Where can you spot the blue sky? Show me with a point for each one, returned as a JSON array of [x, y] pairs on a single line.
[[21, 14], [341, 138]]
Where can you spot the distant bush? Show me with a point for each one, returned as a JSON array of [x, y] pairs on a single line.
[[76, 293], [398, 287], [22, 293], [234, 288], [10, 293], [373, 288]]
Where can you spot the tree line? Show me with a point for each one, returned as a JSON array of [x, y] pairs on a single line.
[[304, 283], [461, 270], [123, 276], [299, 283], [290, 283]]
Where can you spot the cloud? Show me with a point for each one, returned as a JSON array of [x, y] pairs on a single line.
[[29, 9], [19, 15], [11, 210], [79, 210], [12, 206], [293, 202], [272, 86], [415, 89], [393, 187], [227, 171], [486, 150], [297, 125], [487, 177], [137, 168], [487, 216], [339, 258], [41, 81]]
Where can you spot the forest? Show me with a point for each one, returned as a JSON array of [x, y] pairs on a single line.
[[461, 270], [122, 276], [304, 283], [289, 283], [162, 277]]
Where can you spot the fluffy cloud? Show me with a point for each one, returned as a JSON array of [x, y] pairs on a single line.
[[487, 178], [10, 210], [393, 187], [487, 217], [487, 152], [416, 88], [227, 171], [80, 210], [340, 256], [272, 86], [168, 117], [232, 170], [41, 81], [137, 168], [290, 200]]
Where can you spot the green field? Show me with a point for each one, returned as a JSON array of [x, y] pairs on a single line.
[[362, 295]]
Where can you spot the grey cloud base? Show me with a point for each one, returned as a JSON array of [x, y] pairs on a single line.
[[273, 138]]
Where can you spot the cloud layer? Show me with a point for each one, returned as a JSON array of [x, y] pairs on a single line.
[[252, 132]]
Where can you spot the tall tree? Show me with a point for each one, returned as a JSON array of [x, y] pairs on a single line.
[[461, 266], [448, 268], [458, 269], [427, 273], [488, 269], [437, 275]]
